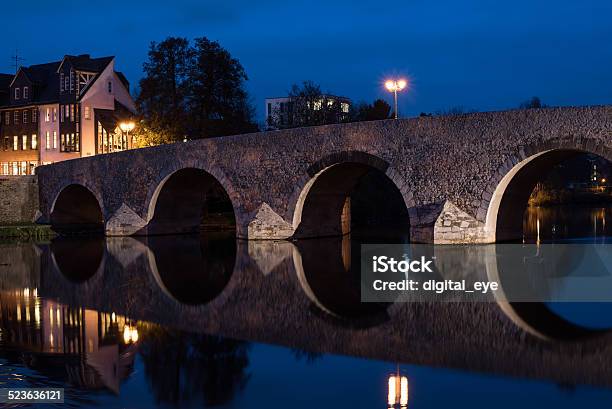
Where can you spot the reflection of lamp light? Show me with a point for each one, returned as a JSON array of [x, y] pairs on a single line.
[[398, 391], [130, 334]]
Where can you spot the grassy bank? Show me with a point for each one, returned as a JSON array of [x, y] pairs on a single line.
[[542, 197], [26, 232]]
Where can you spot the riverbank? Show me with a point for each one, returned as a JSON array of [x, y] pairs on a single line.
[[27, 232], [542, 197]]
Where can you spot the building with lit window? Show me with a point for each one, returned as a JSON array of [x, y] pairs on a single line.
[[281, 112], [62, 110]]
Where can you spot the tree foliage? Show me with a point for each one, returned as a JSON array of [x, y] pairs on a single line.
[[533, 102], [454, 110], [192, 90], [377, 110]]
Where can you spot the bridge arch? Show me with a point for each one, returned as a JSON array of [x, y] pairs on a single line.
[[186, 198], [76, 208], [322, 203], [506, 197]]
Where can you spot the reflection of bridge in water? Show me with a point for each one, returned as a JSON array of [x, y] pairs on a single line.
[[296, 296]]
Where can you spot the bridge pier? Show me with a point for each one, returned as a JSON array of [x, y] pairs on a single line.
[[445, 223]]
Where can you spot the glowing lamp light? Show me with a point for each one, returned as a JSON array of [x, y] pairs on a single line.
[[127, 126], [396, 86]]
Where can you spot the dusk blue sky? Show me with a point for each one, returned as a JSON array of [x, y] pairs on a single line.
[[484, 55]]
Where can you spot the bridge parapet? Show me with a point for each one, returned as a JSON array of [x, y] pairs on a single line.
[[446, 170]]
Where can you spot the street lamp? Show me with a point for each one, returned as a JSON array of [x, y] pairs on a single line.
[[395, 86], [126, 127]]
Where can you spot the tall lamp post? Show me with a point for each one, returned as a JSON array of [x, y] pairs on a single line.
[[395, 86], [126, 127]]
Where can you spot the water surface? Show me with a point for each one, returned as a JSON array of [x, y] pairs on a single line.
[[214, 322]]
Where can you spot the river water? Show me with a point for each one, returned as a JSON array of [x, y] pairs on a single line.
[[185, 322]]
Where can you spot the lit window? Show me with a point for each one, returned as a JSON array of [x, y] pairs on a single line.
[[15, 142], [24, 168], [47, 115], [34, 141], [71, 112], [17, 93], [87, 112], [47, 140], [54, 139], [24, 142], [317, 105], [26, 92], [345, 107], [54, 114]]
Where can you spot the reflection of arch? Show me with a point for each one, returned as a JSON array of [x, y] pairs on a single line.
[[76, 208], [328, 272], [78, 259], [186, 198], [509, 189], [320, 205], [202, 271], [533, 317]]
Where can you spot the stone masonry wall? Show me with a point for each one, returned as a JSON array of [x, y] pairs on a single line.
[[457, 159], [18, 199]]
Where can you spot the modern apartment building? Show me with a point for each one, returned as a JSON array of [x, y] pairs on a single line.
[[62, 110], [281, 112]]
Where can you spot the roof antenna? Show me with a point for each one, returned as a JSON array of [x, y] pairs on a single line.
[[17, 59]]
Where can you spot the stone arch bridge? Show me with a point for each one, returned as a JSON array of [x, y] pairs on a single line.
[[461, 179]]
